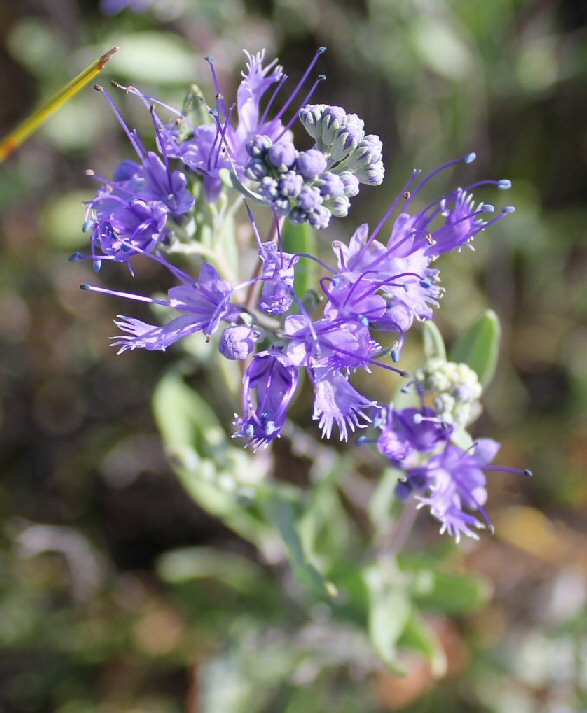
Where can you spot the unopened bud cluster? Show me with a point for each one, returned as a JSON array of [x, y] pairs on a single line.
[[311, 186], [456, 390]]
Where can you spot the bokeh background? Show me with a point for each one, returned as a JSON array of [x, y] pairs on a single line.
[[93, 615]]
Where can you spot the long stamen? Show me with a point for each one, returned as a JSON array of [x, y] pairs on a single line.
[[161, 144], [301, 83], [126, 295], [469, 158], [148, 100], [223, 140], [276, 91], [375, 362], [219, 97], [521, 471], [405, 194], [307, 98], [312, 257], [255, 227], [376, 286], [133, 138]]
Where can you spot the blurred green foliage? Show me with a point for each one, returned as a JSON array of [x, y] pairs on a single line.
[[117, 593]]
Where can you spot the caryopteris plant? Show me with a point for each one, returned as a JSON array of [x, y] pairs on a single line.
[[282, 314]]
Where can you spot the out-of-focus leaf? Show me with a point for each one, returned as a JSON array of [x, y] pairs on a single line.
[[192, 563], [301, 238], [433, 341], [63, 219], [442, 48], [154, 57], [324, 527], [381, 501], [450, 593], [479, 346], [389, 612], [416, 636], [284, 513]]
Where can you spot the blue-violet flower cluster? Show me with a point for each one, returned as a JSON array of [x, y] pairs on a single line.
[[372, 290]]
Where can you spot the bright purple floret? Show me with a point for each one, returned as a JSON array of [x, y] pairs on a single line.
[[337, 402], [202, 304], [455, 487], [269, 386]]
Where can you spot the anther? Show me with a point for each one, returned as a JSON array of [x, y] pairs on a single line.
[[528, 472], [84, 287], [429, 239], [407, 195], [98, 87], [321, 50], [504, 184], [508, 209], [469, 158]]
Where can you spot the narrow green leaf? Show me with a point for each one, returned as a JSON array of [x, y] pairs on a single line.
[[389, 612], [301, 238], [381, 502], [416, 636], [479, 346], [433, 341]]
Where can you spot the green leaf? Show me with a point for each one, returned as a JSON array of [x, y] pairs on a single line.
[[195, 442], [479, 346], [301, 238], [284, 512], [325, 528], [190, 563], [382, 500], [451, 593], [416, 636], [389, 612], [433, 341], [154, 57]]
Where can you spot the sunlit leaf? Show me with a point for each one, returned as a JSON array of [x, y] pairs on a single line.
[[479, 346], [433, 341]]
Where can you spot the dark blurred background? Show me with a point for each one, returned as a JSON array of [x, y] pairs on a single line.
[[89, 621]]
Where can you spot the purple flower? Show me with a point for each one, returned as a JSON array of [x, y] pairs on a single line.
[[410, 432], [336, 401], [389, 291], [455, 484], [131, 212], [269, 386], [202, 304], [328, 344]]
